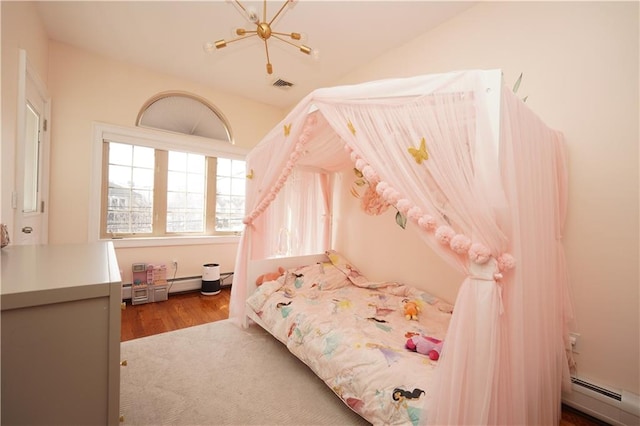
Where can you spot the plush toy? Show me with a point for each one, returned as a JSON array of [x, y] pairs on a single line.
[[425, 345], [270, 276], [411, 309]]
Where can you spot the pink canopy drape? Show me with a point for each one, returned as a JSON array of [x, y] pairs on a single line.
[[483, 181]]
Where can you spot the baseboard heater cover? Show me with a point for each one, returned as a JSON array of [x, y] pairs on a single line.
[[609, 405], [179, 285]]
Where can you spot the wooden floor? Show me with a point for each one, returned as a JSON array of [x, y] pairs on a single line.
[[180, 311], [189, 309]]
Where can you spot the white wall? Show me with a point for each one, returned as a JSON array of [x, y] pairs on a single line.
[[580, 65]]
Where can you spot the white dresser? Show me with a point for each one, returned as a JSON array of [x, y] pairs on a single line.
[[60, 334]]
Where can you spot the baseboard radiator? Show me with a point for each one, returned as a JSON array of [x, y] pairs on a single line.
[[183, 284], [612, 406]]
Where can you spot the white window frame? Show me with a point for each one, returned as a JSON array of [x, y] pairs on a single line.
[[159, 140]]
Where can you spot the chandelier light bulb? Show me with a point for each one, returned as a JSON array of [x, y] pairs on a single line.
[[253, 15], [209, 47]]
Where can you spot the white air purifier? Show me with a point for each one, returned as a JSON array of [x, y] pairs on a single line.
[[210, 279]]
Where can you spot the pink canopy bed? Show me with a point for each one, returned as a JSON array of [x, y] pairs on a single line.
[[481, 179]]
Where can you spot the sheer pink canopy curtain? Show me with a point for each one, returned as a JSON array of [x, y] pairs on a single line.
[[493, 210], [445, 179], [288, 196]]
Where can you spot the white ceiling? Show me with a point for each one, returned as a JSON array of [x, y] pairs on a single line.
[[167, 36]]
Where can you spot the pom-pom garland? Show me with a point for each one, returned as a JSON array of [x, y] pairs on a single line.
[[444, 234], [298, 151]]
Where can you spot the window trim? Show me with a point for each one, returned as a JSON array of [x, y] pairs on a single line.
[[178, 93], [152, 139]]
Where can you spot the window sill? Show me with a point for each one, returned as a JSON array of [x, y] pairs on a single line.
[[173, 241]]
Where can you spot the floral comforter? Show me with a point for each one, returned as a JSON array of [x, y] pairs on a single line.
[[352, 333]]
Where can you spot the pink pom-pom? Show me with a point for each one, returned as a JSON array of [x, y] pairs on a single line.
[[360, 164], [381, 186], [479, 254], [404, 205], [460, 243], [370, 174], [246, 220], [414, 213], [348, 149], [444, 234], [427, 222], [299, 147], [506, 261], [354, 156], [391, 195], [294, 156]]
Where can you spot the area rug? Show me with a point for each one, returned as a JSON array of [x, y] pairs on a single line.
[[220, 374]]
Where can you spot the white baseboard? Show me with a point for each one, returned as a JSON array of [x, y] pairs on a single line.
[[612, 406], [182, 284]]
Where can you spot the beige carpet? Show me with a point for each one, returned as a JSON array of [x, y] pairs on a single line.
[[219, 374]]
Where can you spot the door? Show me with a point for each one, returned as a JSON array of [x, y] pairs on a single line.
[[30, 198]]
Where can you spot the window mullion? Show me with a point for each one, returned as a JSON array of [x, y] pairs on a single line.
[[160, 193], [211, 195]]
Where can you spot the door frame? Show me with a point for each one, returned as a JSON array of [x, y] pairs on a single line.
[[27, 76]]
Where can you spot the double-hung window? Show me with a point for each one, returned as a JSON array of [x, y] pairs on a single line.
[[158, 184]]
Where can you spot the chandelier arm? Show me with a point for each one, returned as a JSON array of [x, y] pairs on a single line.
[[282, 34], [241, 6], [266, 50], [302, 47], [237, 39], [279, 12]]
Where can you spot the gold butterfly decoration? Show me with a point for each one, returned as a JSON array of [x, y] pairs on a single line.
[[287, 129], [350, 126], [250, 175], [420, 154]]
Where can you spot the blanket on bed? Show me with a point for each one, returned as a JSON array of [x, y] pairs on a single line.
[[353, 332]]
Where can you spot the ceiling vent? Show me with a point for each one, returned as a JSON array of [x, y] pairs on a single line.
[[282, 84]]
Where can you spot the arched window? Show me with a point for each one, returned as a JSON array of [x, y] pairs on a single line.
[[158, 180], [184, 113]]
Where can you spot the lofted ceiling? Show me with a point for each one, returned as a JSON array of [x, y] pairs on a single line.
[[168, 37]]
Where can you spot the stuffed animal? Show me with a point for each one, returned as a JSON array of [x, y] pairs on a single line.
[[411, 309], [270, 276], [425, 345]]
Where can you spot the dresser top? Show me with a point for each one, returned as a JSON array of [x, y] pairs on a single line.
[[39, 274]]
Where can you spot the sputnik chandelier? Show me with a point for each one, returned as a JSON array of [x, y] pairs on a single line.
[[264, 30]]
